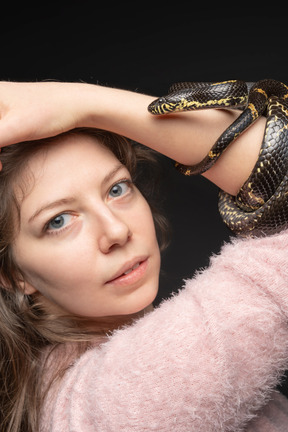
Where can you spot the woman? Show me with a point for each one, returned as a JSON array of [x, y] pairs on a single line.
[[80, 258]]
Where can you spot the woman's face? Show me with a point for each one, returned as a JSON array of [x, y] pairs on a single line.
[[87, 240]]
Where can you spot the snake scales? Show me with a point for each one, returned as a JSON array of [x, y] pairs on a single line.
[[261, 205]]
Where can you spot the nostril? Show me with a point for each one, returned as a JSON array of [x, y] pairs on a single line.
[[116, 235]]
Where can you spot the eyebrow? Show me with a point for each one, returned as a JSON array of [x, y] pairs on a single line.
[[50, 206], [71, 200]]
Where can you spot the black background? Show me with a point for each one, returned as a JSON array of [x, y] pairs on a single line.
[[145, 47]]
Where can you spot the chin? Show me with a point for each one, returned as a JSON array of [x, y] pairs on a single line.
[[142, 305]]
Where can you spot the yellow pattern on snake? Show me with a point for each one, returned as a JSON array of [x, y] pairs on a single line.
[[261, 206]]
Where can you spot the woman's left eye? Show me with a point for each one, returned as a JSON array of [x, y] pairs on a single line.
[[120, 189]]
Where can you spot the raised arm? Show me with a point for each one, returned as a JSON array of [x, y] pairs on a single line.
[[36, 110]]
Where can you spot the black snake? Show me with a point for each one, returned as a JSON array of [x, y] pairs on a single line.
[[261, 205]]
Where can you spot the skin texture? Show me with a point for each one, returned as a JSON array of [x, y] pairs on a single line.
[[104, 227], [49, 108]]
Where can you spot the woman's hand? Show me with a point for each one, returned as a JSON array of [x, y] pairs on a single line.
[[37, 110]]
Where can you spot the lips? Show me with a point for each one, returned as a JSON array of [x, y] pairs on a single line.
[[128, 268], [132, 268]]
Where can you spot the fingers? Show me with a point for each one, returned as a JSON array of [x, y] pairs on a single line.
[[16, 127], [11, 131]]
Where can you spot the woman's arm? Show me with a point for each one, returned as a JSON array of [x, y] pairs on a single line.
[[206, 360], [36, 110], [185, 137]]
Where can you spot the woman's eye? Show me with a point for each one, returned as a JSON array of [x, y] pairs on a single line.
[[59, 222], [119, 189]]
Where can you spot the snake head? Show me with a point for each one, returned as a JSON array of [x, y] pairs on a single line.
[[174, 102], [160, 106]]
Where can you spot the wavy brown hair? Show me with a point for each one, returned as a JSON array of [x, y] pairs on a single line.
[[26, 328]]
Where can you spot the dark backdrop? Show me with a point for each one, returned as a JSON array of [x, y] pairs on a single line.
[[145, 47]]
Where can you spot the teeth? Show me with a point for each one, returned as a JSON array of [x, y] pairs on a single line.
[[127, 272], [131, 269]]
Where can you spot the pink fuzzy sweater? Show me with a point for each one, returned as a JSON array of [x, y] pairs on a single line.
[[206, 360]]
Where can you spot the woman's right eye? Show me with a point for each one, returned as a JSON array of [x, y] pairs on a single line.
[[58, 222]]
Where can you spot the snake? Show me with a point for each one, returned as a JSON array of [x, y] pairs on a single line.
[[261, 206]]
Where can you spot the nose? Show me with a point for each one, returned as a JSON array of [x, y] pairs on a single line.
[[114, 232]]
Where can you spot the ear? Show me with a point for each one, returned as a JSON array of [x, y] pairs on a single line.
[[27, 288]]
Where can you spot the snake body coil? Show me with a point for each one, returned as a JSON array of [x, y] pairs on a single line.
[[261, 205]]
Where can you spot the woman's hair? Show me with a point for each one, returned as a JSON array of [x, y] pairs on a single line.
[[26, 328]]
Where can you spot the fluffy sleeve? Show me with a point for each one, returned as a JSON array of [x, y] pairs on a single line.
[[206, 360]]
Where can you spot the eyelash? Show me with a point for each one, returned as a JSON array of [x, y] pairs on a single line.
[[127, 182], [48, 231]]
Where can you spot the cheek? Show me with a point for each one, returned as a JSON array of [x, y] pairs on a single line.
[[53, 267], [143, 223]]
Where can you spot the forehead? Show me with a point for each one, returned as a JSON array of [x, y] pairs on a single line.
[[64, 163], [71, 150]]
